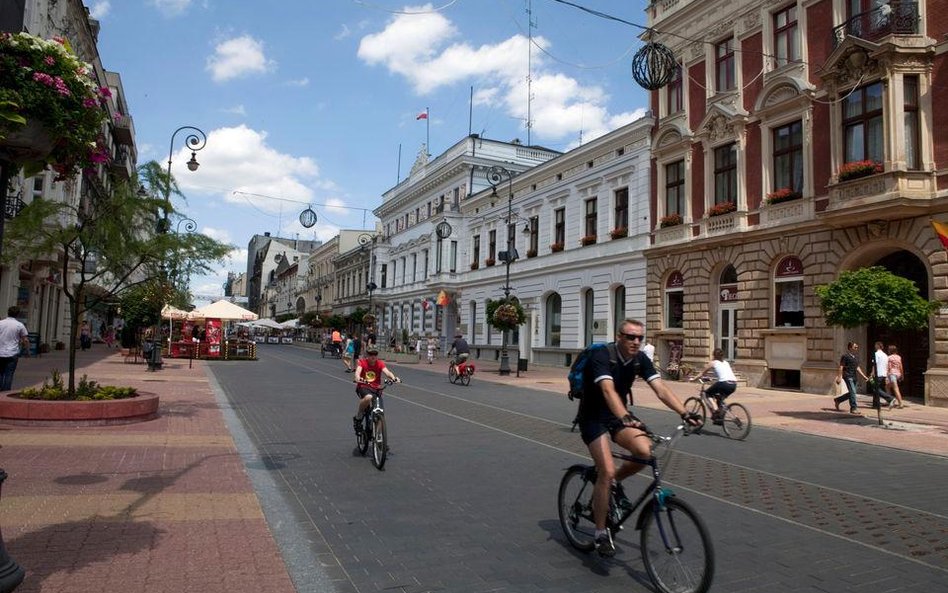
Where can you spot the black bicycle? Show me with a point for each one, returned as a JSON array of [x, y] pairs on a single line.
[[673, 540], [372, 431], [735, 419]]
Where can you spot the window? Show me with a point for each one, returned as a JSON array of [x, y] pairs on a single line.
[[553, 308], [394, 272], [862, 124], [618, 308], [725, 174], [675, 301], [473, 321], [476, 249], [591, 217], [456, 201], [425, 271], [724, 66], [453, 255], [910, 88], [786, 46], [492, 244], [788, 157], [788, 293], [675, 188], [622, 208], [439, 255], [674, 93], [588, 315], [414, 267], [534, 234], [559, 226]]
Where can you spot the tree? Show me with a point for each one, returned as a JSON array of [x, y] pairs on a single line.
[[110, 242], [874, 295]]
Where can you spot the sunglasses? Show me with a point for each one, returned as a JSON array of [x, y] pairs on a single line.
[[632, 337]]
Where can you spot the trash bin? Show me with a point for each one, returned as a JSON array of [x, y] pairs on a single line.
[[521, 365], [34, 338], [151, 351]]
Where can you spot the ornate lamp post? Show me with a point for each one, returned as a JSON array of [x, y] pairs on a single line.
[[196, 140], [368, 241], [495, 176]]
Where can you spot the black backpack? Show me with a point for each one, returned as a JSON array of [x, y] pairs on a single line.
[[577, 369]]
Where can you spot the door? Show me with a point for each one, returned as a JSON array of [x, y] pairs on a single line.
[[727, 330]]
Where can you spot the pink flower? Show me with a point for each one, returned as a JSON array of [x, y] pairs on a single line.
[[50, 60], [105, 92], [90, 103]]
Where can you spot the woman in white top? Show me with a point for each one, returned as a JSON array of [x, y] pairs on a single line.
[[726, 383]]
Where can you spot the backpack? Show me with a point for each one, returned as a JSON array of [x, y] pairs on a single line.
[[578, 368]]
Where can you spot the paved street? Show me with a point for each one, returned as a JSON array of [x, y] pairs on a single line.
[[467, 500]]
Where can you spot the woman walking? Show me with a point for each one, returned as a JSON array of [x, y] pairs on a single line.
[[895, 373]]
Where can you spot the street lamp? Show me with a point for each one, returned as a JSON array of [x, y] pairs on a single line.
[[367, 240], [196, 140], [495, 176]]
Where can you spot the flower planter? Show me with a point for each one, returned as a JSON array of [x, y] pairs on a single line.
[[489, 262], [588, 240], [556, 247], [142, 407], [32, 142], [619, 233]]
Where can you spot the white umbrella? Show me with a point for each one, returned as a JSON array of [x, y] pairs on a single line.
[[290, 324], [225, 310], [268, 323]]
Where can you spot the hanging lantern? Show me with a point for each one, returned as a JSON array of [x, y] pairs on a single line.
[[654, 65], [308, 218]]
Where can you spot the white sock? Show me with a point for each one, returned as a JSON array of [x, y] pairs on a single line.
[[601, 533]]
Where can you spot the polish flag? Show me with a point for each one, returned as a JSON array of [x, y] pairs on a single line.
[[422, 115]]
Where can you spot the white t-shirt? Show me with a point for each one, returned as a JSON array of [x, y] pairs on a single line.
[[11, 333], [723, 370], [649, 350], [882, 363]]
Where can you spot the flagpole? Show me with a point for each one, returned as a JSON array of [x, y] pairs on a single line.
[[470, 112], [427, 131], [398, 172]]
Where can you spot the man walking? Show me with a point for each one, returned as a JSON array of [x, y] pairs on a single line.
[[880, 367], [13, 339], [848, 368]]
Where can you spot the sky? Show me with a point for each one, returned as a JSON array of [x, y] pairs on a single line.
[[315, 103]]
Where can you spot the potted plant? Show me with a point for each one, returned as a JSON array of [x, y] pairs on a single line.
[[588, 240], [858, 169], [50, 106], [531, 252], [475, 265], [722, 209], [619, 232], [506, 316], [673, 219], [489, 261], [556, 247], [784, 194]]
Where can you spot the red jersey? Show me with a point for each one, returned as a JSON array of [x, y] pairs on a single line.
[[371, 374]]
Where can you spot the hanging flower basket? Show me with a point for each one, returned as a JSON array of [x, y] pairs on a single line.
[[670, 220], [782, 195], [858, 169], [722, 209], [508, 316], [50, 106]]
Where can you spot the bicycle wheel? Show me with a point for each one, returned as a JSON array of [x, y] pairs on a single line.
[[696, 406], [676, 548], [362, 437], [452, 374], [465, 378], [737, 422], [379, 441], [575, 509]]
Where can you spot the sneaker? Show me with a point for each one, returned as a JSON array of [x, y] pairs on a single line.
[[357, 423], [622, 501], [604, 546], [836, 403]]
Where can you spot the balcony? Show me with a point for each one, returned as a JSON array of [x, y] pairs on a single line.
[[723, 224], [672, 234], [884, 195], [123, 130], [120, 165], [792, 212], [900, 17]]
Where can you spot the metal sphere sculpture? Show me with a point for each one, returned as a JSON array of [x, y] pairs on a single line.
[[654, 65]]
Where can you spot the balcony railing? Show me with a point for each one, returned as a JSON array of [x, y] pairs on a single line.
[[900, 17]]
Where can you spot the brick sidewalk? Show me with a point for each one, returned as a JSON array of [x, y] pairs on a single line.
[[163, 505]]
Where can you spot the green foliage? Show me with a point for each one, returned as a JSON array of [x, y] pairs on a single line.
[[505, 316], [874, 295], [310, 318], [336, 321], [53, 389]]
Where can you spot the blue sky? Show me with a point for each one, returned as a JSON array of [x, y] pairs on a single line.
[[305, 102]]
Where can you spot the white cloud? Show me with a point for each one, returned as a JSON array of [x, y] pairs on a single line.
[[236, 110], [343, 33], [238, 57], [298, 82], [99, 10], [171, 7]]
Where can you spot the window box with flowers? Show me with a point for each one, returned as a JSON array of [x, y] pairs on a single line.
[[619, 232], [489, 262], [50, 107], [588, 240], [475, 265], [531, 253], [670, 220], [784, 194], [722, 209], [858, 169], [556, 247]]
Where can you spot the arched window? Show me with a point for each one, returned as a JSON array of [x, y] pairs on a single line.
[[553, 308], [588, 315], [788, 293], [675, 301], [618, 308]]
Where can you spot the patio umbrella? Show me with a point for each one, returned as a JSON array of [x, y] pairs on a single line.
[[225, 310]]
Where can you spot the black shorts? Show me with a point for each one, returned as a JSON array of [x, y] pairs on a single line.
[[363, 390], [591, 429]]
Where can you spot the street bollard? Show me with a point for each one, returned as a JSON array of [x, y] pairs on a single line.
[[11, 573]]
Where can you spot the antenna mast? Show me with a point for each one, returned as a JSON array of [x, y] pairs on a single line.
[[530, 25]]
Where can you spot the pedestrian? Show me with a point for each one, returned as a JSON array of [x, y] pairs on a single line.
[[109, 337], [14, 340], [649, 350], [880, 372], [85, 336], [347, 355], [848, 369], [895, 372], [336, 337], [431, 349]]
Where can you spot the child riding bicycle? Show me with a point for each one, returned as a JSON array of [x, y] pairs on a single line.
[[724, 386], [368, 379]]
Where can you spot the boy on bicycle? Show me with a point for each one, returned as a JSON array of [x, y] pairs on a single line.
[[368, 379], [603, 411], [723, 387]]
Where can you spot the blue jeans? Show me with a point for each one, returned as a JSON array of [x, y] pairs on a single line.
[[7, 368], [851, 386], [881, 392]]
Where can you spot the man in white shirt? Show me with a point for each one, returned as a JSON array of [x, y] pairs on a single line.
[[13, 339], [880, 363], [649, 350]]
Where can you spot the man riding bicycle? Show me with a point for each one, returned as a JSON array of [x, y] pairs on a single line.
[[368, 379], [603, 410], [724, 386], [461, 350]]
